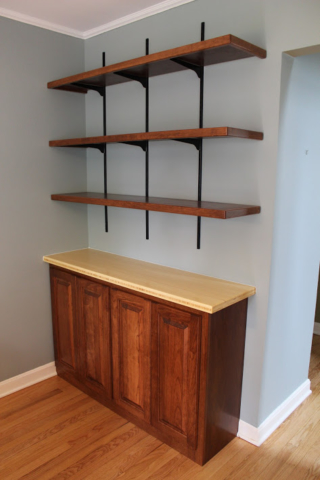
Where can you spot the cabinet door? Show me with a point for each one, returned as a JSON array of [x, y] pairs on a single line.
[[175, 373], [63, 291], [131, 332], [95, 346]]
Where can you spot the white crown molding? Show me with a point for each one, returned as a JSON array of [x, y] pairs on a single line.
[[257, 435], [134, 17], [26, 379], [316, 330], [37, 22]]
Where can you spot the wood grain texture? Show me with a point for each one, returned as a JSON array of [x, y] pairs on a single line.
[[176, 345], [226, 344], [161, 135], [94, 332], [61, 435], [156, 204], [131, 333], [64, 319], [200, 292], [216, 50]]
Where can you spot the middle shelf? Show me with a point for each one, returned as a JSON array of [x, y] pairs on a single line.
[[180, 135], [157, 204]]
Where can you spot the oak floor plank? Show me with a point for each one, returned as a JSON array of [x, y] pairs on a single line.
[[28, 422], [37, 435], [103, 452], [32, 456], [87, 441], [144, 468], [53, 431], [123, 463]]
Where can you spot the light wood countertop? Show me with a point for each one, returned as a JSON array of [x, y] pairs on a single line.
[[203, 293]]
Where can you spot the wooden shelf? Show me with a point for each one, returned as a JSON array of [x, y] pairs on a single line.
[[156, 204], [208, 52], [182, 135]]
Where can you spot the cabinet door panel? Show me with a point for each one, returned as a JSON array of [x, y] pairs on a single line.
[[175, 372], [64, 319], [95, 347], [131, 331]]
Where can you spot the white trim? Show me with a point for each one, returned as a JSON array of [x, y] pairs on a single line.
[[257, 436], [37, 22], [134, 17], [316, 329], [120, 22], [26, 379]]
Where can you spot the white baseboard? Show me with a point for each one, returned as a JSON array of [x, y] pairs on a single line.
[[316, 329], [26, 379], [257, 435]]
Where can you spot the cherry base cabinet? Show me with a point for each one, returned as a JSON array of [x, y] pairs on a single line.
[[174, 371]]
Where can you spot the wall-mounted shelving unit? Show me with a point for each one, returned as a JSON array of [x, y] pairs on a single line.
[[190, 57]]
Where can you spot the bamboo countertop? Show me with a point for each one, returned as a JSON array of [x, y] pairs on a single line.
[[203, 293]]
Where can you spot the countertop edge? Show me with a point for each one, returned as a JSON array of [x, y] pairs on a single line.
[[149, 291]]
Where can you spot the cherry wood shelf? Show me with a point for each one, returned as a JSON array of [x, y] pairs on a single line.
[[130, 138], [208, 52], [156, 204]]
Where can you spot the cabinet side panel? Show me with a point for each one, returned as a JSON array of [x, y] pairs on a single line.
[[95, 350], [225, 370]]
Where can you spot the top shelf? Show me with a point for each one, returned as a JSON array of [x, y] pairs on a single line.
[[208, 52]]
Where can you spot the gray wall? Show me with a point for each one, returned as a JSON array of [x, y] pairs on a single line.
[[243, 94], [296, 252], [31, 224]]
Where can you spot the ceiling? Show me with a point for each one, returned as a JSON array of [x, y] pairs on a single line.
[[83, 18]]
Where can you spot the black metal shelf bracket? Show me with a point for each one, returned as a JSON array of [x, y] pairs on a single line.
[[195, 68], [196, 142], [136, 78], [88, 86], [142, 144], [98, 146]]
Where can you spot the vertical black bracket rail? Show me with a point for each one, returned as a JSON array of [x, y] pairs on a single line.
[[199, 70], [201, 77], [147, 144], [105, 173]]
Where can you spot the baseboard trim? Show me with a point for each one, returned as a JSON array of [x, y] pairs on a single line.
[[257, 435], [316, 329], [26, 379]]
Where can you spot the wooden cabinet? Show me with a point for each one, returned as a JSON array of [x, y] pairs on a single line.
[[131, 334], [174, 371], [175, 362]]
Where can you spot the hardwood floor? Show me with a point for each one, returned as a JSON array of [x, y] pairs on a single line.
[[53, 431]]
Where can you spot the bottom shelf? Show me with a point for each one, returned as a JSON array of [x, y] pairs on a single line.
[[156, 204]]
